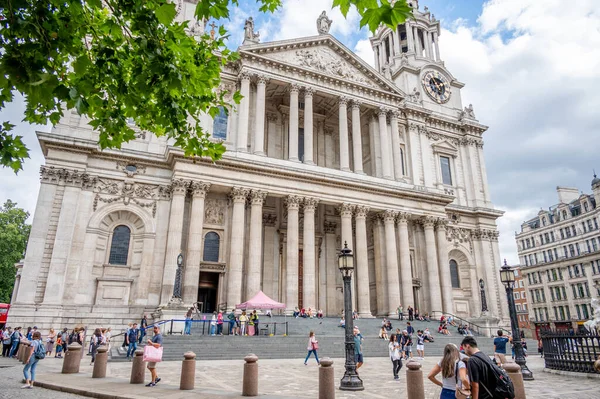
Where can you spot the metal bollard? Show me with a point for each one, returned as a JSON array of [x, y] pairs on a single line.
[[250, 380], [100, 362], [326, 379], [414, 380], [72, 359], [514, 372], [188, 371], [137, 368]]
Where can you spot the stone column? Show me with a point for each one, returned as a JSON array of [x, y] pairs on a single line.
[[257, 198], [293, 205], [444, 265], [346, 211], [396, 145], [413, 153], [375, 148], [362, 263], [418, 48], [259, 117], [309, 279], [244, 113], [174, 235], [236, 248], [380, 274], [410, 40], [484, 179], [194, 247], [391, 257], [343, 130], [385, 145], [271, 251], [405, 269], [432, 265], [472, 151], [427, 43], [332, 269], [356, 138], [437, 47], [495, 272], [293, 133], [308, 126]]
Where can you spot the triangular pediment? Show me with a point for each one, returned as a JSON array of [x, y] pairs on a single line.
[[325, 55], [446, 147]]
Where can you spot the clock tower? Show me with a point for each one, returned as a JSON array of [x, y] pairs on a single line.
[[410, 57]]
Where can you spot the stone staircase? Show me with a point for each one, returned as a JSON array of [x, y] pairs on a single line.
[[294, 345]]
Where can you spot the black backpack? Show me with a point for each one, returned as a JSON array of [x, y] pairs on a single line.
[[504, 388]]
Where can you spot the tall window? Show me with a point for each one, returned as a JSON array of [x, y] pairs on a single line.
[[220, 125], [301, 144], [402, 161], [454, 274], [211, 247], [446, 174], [119, 247]]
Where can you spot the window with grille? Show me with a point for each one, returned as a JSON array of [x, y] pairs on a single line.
[[446, 174], [454, 274], [211, 247], [119, 248]]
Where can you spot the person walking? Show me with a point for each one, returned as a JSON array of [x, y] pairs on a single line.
[[479, 367], [36, 353], [143, 327], [6, 342], [454, 374], [132, 339], [188, 322], [15, 340], [395, 355], [96, 340], [410, 329], [313, 346], [500, 347], [157, 342], [50, 340], [406, 343], [421, 344]]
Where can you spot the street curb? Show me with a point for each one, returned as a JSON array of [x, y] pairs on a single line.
[[77, 391], [572, 374]]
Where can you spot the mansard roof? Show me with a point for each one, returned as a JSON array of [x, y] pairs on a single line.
[[325, 55]]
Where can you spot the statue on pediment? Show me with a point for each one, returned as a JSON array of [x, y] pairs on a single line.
[[249, 35], [403, 59], [469, 113], [323, 24], [415, 96]]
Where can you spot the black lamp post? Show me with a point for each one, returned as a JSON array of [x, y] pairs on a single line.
[[484, 307], [350, 381], [177, 287], [507, 276]]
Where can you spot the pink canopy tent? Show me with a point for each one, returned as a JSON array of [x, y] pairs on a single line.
[[261, 301]]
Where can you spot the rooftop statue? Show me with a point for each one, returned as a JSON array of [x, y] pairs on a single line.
[[323, 24]]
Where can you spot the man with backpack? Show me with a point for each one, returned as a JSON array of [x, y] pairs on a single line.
[[488, 381], [132, 340]]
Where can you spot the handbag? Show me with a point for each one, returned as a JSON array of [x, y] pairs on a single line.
[[460, 393], [315, 345], [152, 354]]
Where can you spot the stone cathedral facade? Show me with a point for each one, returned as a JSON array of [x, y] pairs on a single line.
[[322, 150]]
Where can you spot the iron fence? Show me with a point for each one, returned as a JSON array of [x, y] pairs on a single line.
[[570, 352]]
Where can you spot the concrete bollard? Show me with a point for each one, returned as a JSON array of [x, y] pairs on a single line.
[[514, 372], [188, 371], [20, 351], [100, 362], [72, 359], [326, 379], [597, 364], [250, 380], [414, 380], [137, 368]]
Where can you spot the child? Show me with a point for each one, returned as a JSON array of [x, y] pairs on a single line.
[[420, 344]]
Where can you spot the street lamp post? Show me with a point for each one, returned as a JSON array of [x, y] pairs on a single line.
[[484, 307], [177, 286], [350, 381], [507, 276]]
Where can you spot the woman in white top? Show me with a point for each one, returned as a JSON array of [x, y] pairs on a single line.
[[313, 346], [395, 355], [454, 373]]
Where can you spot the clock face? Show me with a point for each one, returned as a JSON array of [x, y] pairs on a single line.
[[437, 86]]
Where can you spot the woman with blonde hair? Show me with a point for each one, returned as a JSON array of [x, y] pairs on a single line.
[[50, 342], [243, 320], [454, 374]]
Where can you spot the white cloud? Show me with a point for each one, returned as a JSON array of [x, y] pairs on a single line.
[[364, 50]]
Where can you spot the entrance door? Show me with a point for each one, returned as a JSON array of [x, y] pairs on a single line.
[[207, 291]]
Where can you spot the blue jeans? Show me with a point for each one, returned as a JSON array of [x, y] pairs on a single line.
[[13, 349], [188, 327], [142, 335], [447, 394], [30, 367], [231, 324], [212, 329], [131, 349], [308, 355]]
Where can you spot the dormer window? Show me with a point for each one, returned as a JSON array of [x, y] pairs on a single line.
[[544, 221], [586, 206], [564, 215]]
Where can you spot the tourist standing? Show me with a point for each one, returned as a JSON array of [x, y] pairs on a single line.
[[421, 344], [96, 340], [479, 367], [213, 324], [454, 374], [108, 336], [254, 318], [188, 322], [400, 311], [410, 329], [15, 339], [358, 355], [156, 341], [36, 353], [243, 320], [6, 342], [132, 339], [410, 313], [143, 327], [406, 343], [29, 334], [232, 326], [395, 355], [220, 323], [313, 346], [500, 348], [65, 339], [50, 342]]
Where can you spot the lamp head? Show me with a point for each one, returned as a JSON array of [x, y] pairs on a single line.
[[481, 283], [507, 275], [346, 260], [179, 260]]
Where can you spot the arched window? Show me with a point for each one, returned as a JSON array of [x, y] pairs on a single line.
[[454, 274], [211, 247], [119, 247], [220, 124]]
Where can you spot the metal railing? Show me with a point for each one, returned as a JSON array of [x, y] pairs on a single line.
[[570, 352], [205, 327], [475, 328]]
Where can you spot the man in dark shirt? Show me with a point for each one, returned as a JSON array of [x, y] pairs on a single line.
[[483, 381], [500, 348]]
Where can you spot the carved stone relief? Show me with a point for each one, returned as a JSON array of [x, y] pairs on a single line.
[[214, 211]]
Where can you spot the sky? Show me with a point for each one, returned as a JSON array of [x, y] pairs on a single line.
[[532, 73]]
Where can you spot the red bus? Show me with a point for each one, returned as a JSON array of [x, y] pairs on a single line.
[[3, 313]]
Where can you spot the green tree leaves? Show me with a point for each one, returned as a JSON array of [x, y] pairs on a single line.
[[14, 233]]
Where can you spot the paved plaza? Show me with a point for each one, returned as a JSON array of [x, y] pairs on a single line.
[[278, 379]]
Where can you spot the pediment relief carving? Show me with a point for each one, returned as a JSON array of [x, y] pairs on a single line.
[[445, 147]]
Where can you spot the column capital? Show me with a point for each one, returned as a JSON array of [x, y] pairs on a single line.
[[257, 197], [295, 88], [310, 204], [346, 209], [382, 111], [428, 221], [239, 194], [441, 224], [356, 104], [245, 76], [343, 101], [179, 186], [309, 91], [293, 202], [261, 79], [362, 211], [389, 216], [394, 114], [330, 226], [403, 217], [199, 189]]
